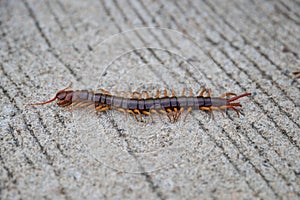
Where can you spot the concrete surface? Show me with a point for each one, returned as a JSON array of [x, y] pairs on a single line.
[[240, 46]]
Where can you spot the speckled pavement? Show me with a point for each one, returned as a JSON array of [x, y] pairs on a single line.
[[48, 152]]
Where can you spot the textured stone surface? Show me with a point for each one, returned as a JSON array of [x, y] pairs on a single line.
[[238, 46]]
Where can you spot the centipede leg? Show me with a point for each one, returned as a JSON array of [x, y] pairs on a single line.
[[104, 91], [146, 93], [208, 92], [157, 113], [136, 93], [173, 93], [237, 111], [183, 92], [125, 94], [218, 109], [233, 108], [209, 109], [165, 93], [191, 92], [202, 92], [211, 114], [157, 94], [134, 115], [79, 104], [174, 114], [98, 108], [187, 113], [90, 107], [87, 105], [104, 109], [124, 111], [139, 113], [179, 113], [165, 113], [68, 108], [169, 111], [148, 113]]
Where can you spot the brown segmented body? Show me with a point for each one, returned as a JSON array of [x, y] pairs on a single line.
[[171, 106]]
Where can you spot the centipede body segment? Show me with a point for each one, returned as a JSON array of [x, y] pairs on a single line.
[[171, 106]]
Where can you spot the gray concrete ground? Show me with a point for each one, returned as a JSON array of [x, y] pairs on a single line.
[[238, 46]]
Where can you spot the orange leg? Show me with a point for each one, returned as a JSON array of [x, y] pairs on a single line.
[[175, 113], [170, 111], [165, 93], [104, 91], [79, 104], [179, 113], [104, 109], [157, 113], [187, 113], [231, 107], [218, 109], [148, 113], [124, 111], [173, 93], [147, 94], [202, 92], [205, 90], [136, 93], [183, 92], [157, 94], [165, 113], [191, 92], [139, 113], [134, 115], [209, 109], [208, 92]]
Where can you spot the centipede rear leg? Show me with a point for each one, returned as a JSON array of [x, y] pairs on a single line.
[[227, 107]]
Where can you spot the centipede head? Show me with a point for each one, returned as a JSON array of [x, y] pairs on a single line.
[[63, 97]]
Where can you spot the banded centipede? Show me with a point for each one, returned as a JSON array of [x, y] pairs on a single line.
[[171, 106]]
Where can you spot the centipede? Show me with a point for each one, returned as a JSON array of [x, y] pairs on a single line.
[[140, 104]]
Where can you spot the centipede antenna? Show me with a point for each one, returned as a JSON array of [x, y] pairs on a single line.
[[42, 103]]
